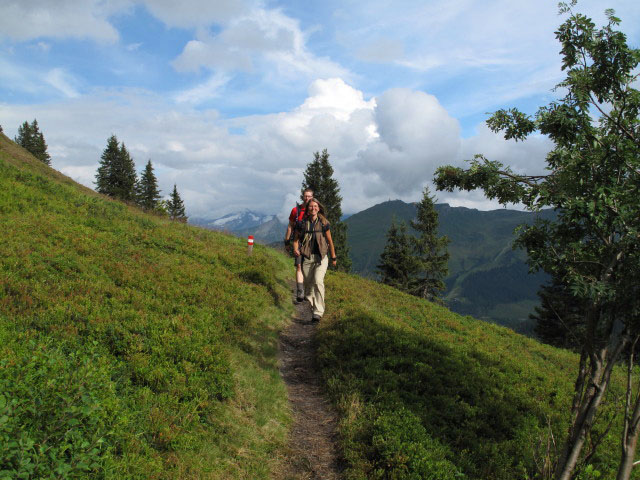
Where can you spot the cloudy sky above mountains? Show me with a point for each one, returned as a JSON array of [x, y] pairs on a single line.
[[230, 98]]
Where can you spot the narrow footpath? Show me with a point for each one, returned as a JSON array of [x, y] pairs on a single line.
[[313, 438]]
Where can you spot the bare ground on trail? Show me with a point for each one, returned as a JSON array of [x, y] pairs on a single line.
[[313, 451]]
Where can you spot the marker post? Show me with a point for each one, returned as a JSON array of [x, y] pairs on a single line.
[[250, 245]]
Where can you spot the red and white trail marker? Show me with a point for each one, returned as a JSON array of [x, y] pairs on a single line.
[[250, 245]]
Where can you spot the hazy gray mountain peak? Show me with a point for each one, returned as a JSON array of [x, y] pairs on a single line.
[[234, 221]]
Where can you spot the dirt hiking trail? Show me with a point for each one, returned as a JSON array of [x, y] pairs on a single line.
[[313, 437]]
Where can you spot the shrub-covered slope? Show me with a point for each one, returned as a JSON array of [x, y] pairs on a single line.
[[424, 393], [131, 346], [135, 347]]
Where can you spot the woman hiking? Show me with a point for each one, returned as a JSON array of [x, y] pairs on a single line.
[[312, 241]]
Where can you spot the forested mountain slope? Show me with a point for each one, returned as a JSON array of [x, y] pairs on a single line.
[[487, 278]]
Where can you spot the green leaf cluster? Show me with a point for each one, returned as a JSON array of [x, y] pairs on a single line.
[[593, 171]]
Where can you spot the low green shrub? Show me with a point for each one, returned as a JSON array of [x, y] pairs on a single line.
[[403, 450], [58, 412]]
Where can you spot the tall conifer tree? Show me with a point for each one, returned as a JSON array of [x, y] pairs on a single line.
[[430, 250], [319, 177], [398, 265], [560, 316], [104, 176], [147, 191], [32, 139], [175, 206], [25, 136], [125, 176], [116, 174]]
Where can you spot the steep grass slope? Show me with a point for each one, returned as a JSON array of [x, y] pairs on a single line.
[[134, 347], [424, 393], [131, 346]]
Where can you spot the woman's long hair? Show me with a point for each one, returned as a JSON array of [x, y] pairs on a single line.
[[306, 234], [307, 214]]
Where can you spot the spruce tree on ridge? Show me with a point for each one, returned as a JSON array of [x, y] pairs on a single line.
[[398, 265], [31, 138], [560, 316], [116, 176], [319, 177], [175, 206], [430, 251], [126, 177], [147, 191], [104, 176]]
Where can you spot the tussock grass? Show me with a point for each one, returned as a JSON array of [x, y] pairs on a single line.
[[131, 346]]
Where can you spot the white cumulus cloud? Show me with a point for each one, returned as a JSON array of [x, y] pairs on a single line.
[[262, 38], [415, 135], [380, 148]]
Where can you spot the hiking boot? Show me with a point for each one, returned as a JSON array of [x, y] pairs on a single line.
[[300, 292], [315, 319]]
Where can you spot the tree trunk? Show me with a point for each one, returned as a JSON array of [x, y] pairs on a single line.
[[631, 425], [628, 453], [599, 370], [587, 407]]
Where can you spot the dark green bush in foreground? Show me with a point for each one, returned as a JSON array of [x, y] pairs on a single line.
[[402, 448], [58, 411]]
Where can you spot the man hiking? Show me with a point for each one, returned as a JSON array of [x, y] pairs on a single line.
[[296, 217]]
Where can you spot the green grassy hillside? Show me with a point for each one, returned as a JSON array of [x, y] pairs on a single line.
[[135, 347], [131, 346], [424, 393], [487, 278]]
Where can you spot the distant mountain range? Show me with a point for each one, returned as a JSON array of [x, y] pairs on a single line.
[[238, 222], [487, 278]]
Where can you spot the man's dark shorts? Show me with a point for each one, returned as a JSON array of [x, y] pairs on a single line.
[[297, 260]]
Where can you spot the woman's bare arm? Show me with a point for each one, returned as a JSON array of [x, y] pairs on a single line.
[[331, 248]]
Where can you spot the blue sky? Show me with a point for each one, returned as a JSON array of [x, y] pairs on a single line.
[[230, 98]]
